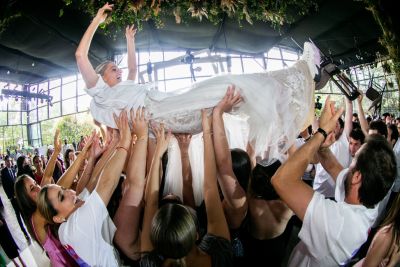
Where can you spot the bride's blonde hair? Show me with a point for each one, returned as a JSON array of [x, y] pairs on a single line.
[[102, 67]]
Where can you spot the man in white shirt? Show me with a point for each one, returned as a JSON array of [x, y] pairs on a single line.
[[332, 232]]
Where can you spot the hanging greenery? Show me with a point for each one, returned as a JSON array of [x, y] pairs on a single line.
[[127, 12], [7, 21], [390, 38]]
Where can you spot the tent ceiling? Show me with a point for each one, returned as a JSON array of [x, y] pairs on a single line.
[[40, 45]]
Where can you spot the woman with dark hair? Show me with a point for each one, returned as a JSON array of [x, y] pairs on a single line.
[[69, 157], [385, 247], [58, 169], [169, 234], [266, 240], [24, 166], [27, 190], [39, 169]]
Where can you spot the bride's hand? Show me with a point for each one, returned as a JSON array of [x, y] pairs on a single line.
[[103, 12], [130, 32]]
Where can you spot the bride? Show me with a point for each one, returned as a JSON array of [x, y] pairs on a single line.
[[276, 105]]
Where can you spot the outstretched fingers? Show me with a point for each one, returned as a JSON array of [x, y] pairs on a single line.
[[162, 139], [57, 141], [229, 100], [139, 122], [123, 127], [103, 11], [329, 116], [130, 31]]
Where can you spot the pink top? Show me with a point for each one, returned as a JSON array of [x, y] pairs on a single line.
[[58, 256]]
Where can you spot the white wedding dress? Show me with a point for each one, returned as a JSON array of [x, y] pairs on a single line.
[[276, 106]]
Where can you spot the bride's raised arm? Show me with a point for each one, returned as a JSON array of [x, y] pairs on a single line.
[[85, 67], [130, 33]]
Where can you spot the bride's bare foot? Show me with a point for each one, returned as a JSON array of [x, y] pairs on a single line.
[[312, 56]]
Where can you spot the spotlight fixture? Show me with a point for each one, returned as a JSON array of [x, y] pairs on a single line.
[[24, 94]]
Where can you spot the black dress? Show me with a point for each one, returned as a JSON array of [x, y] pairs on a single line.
[[6, 240]]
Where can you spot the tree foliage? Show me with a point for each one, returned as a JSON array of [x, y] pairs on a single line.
[[72, 127]]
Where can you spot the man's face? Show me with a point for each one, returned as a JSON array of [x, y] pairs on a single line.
[[352, 170], [354, 146]]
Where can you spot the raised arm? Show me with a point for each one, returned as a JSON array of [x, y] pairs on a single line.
[[111, 144], [111, 173], [235, 201], [216, 221], [152, 188], [130, 33], [51, 163], [188, 196], [127, 217], [85, 180], [82, 59], [348, 123], [286, 181], [69, 175], [361, 115]]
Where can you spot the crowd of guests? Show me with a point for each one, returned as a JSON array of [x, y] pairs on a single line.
[[105, 205], [331, 200]]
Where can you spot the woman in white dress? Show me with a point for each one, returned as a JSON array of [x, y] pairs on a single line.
[[276, 105]]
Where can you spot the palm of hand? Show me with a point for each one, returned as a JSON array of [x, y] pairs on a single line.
[[130, 32], [97, 150]]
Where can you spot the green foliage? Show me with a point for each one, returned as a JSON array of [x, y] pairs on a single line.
[[9, 137], [7, 21], [72, 127], [389, 38], [139, 11]]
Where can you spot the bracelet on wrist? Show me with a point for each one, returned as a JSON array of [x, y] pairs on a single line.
[[323, 132], [142, 138], [323, 149]]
